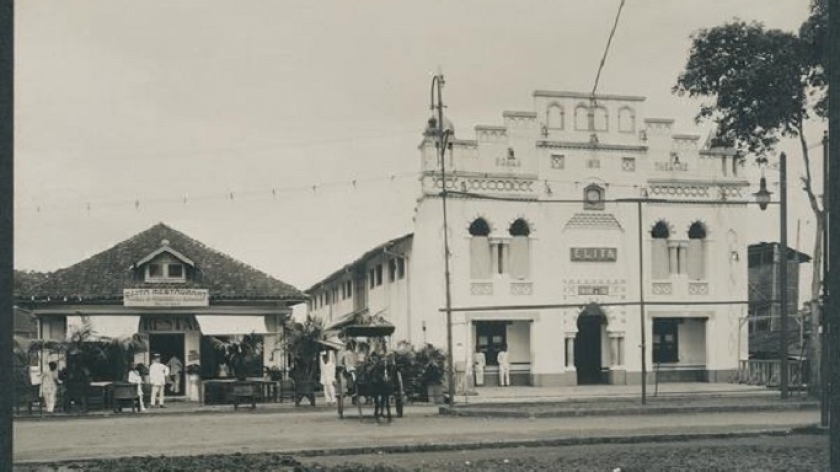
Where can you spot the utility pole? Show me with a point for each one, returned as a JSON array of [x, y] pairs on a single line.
[[442, 139], [6, 233], [783, 269], [642, 323]]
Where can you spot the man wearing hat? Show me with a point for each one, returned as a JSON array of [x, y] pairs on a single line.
[[158, 374]]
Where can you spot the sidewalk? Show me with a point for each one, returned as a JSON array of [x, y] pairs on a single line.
[[517, 394], [518, 401]]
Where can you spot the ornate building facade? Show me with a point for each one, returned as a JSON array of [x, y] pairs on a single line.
[[560, 221]]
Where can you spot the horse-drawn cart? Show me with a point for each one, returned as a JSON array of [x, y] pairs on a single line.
[[376, 378]]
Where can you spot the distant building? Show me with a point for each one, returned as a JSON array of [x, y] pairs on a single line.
[[545, 262], [170, 289], [764, 294]]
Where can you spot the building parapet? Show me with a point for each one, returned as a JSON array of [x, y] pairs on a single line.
[[591, 146], [559, 94]]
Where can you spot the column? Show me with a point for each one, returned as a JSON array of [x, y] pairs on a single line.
[[614, 356], [673, 264], [570, 350], [682, 257]]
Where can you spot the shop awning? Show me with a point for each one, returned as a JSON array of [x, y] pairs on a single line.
[[212, 325], [104, 326]]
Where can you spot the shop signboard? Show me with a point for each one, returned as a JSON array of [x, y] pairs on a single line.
[[165, 297], [594, 254]]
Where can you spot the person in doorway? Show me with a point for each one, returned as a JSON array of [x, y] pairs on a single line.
[[175, 369], [328, 377], [135, 378], [157, 377], [49, 386], [504, 366], [479, 362]]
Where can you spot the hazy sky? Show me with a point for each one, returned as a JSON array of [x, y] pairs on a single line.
[[218, 117]]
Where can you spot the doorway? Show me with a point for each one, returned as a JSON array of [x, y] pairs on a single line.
[[169, 345], [588, 346]]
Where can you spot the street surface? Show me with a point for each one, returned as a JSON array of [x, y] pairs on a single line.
[[260, 431]]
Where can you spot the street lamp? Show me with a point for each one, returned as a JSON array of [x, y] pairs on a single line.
[[762, 197], [441, 144]]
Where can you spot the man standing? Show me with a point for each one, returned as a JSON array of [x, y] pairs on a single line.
[[504, 367], [49, 386], [480, 363], [157, 377], [328, 377], [175, 369]]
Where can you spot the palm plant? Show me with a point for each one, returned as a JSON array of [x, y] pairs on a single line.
[[302, 342], [239, 355], [83, 349]]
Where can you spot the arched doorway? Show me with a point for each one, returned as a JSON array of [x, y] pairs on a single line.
[[590, 324]]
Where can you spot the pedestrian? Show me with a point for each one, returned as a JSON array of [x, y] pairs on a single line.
[[504, 366], [49, 386], [157, 377], [328, 377], [175, 369], [135, 378], [480, 361]]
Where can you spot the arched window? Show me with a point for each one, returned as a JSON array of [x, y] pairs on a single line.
[[660, 265], [696, 264], [601, 120], [554, 116], [480, 257], [582, 118], [626, 120], [520, 249], [479, 227]]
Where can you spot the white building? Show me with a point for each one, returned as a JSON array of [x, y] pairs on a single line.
[[546, 261]]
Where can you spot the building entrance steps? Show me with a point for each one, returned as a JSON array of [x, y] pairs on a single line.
[[520, 394]]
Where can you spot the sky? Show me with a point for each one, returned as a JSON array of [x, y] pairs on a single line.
[[285, 133]]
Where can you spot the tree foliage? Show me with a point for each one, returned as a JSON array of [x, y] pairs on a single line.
[[757, 80]]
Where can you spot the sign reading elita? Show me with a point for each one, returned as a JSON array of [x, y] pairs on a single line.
[[594, 254], [141, 297]]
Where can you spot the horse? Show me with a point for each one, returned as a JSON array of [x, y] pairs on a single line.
[[378, 380]]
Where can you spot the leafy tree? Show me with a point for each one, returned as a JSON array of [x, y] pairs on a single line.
[[762, 85]]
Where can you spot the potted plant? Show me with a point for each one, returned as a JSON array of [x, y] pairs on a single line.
[[302, 342], [432, 363]]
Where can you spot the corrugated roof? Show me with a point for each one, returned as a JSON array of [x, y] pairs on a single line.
[[105, 275]]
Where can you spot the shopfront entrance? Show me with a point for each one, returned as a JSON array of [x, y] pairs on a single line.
[[169, 345], [588, 359]]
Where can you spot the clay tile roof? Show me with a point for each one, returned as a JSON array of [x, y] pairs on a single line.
[[105, 275]]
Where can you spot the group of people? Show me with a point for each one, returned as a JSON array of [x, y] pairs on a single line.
[[502, 359], [160, 375], [346, 363]]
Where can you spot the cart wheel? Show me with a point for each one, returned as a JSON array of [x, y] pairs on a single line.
[[399, 396], [340, 397]]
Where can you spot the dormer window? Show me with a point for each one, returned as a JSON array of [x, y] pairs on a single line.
[[165, 272], [164, 265]]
